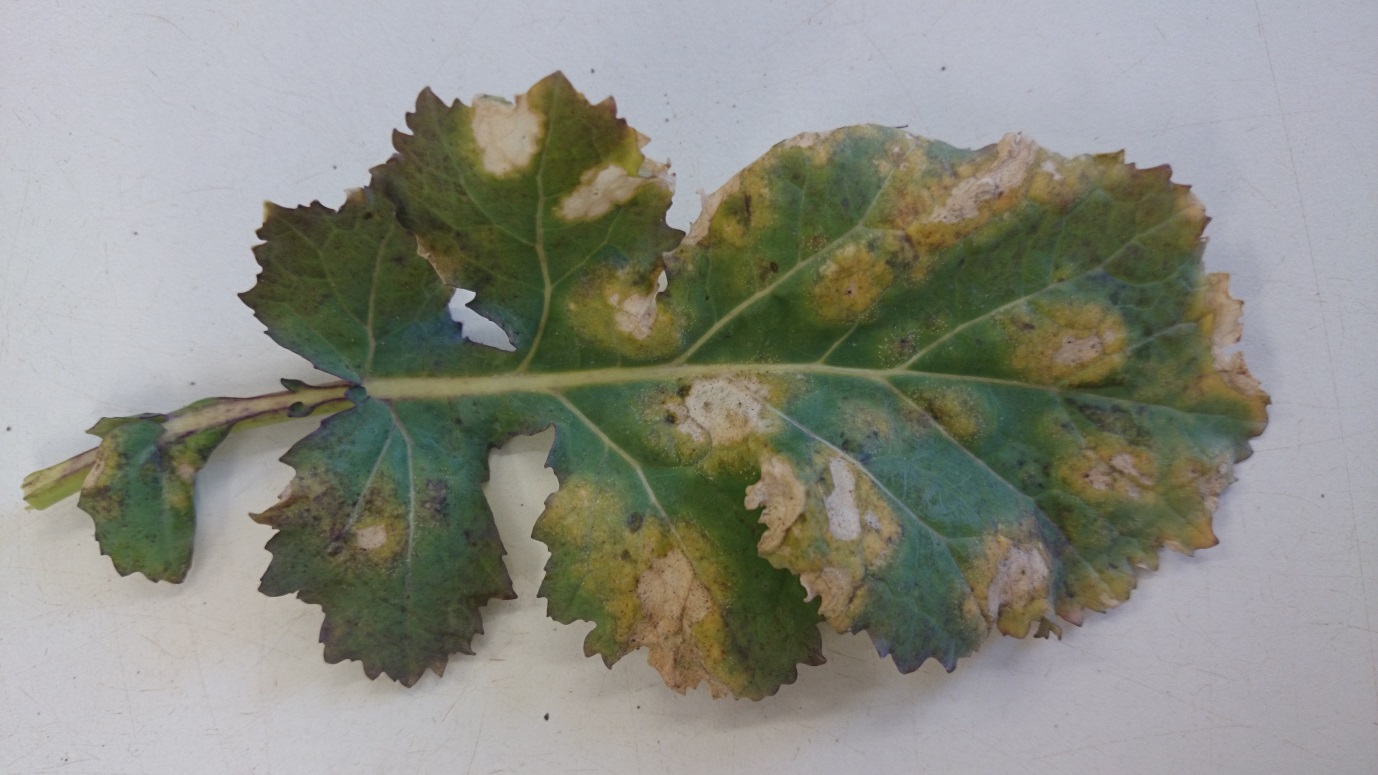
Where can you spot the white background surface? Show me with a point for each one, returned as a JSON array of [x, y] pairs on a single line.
[[137, 144]]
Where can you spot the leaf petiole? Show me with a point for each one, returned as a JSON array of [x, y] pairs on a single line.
[[54, 483]]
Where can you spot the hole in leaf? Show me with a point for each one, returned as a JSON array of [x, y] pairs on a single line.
[[475, 327], [518, 485]]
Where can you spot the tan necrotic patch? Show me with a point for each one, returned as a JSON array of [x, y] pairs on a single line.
[[722, 411], [955, 206], [677, 622], [1014, 155], [507, 134], [621, 310], [838, 590], [1011, 582], [782, 494], [1223, 322], [846, 534], [653, 584], [603, 188]]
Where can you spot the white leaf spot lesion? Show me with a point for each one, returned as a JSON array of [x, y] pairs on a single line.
[[371, 537], [507, 133], [844, 516], [634, 313], [604, 188], [1021, 581]]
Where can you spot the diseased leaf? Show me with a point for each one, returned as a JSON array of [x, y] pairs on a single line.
[[658, 552], [386, 528], [896, 386], [139, 493], [138, 484], [348, 291], [1007, 395], [546, 208]]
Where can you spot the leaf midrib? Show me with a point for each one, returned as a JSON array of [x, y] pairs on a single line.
[[433, 388]]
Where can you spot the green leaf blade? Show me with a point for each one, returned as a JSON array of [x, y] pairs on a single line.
[[386, 527], [140, 495], [347, 290], [547, 209]]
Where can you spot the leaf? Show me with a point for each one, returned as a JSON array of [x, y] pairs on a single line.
[[386, 529], [138, 484], [139, 493], [349, 288], [535, 206], [900, 387]]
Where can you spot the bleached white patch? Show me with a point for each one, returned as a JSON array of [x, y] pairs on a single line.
[[844, 519], [507, 133], [371, 537], [1051, 169], [1020, 579], [597, 193], [636, 313], [803, 140]]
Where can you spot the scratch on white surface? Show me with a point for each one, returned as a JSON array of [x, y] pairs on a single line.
[[478, 740], [913, 106], [1325, 334]]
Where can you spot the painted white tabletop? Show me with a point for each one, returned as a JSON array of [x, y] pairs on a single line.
[[138, 140]]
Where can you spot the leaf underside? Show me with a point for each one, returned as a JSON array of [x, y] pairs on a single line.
[[904, 388]]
